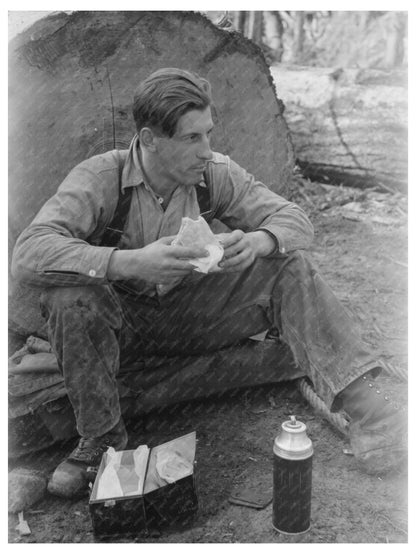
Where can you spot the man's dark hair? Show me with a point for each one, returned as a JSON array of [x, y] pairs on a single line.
[[165, 96]]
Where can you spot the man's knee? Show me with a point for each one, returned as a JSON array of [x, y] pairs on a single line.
[[63, 297], [300, 258], [299, 263], [90, 298]]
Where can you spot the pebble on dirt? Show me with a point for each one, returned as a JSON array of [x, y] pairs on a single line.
[[26, 487]]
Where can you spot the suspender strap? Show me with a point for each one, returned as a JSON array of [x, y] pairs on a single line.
[[114, 231], [204, 200]]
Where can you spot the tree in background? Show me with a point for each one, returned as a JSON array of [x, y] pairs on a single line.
[[323, 38]]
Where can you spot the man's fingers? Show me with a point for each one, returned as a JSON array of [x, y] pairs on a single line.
[[228, 239], [179, 266], [188, 252], [234, 250], [167, 240], [178, 251], [235, 261]]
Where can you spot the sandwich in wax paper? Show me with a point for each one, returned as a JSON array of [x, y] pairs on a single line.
[[197, 233]]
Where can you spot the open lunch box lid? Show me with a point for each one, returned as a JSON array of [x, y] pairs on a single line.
[[182, 448]]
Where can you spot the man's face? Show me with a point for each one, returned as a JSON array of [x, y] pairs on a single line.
[[182, 158]]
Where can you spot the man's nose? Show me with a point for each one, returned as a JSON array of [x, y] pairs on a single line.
[[205, 152]]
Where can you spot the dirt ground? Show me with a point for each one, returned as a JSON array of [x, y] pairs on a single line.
[[361, 249]]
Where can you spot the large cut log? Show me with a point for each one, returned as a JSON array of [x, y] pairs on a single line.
[[348, 125], [71, 81], [40, 413]]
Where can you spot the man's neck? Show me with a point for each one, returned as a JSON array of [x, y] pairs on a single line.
[[153, 177]]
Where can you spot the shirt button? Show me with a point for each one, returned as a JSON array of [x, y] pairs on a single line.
[[92, 273], [160, 199]]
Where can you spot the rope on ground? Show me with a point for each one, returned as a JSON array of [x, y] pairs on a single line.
[[336, 419]]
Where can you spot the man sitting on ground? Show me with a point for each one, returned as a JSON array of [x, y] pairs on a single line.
[[104, 304]]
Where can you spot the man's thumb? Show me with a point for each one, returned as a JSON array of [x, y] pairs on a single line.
[[167, 240]]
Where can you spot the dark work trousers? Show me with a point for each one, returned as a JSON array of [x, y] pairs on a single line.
[[95, 329]]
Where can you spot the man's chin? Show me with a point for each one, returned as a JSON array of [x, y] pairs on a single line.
[[195, 179]]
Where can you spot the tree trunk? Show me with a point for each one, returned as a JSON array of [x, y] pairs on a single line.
[[394, 34], [257, 27], [299, 37], [72, 79], [236, 19], [273, 30], [347, 126], [240, 21]]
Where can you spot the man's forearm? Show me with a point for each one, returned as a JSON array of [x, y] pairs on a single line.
[[264, 244], [291, 228], [120, 265]]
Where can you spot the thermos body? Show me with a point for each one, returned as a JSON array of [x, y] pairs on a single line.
[[292, 478]]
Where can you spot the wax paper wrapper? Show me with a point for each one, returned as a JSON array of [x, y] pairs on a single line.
[[171, 466], [196, 232], [109, 485], [120, 480]]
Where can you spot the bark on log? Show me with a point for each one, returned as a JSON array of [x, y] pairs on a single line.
[[347, 126], [71, 83]]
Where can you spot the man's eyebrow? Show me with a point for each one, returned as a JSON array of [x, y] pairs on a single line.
[[195, 132]]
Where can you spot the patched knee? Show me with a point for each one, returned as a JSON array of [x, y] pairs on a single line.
[[65, 297], [92, 305]]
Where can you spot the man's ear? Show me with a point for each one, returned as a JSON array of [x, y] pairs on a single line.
[[148, 139]]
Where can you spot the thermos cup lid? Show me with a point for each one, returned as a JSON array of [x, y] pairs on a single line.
[[293, 443]]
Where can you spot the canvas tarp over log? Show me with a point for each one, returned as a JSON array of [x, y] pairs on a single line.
[[71, 83]]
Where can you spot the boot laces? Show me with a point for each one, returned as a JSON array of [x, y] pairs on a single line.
[[90, 450]]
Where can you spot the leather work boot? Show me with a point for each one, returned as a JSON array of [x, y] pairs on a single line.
[[378, 430], [70, 477]]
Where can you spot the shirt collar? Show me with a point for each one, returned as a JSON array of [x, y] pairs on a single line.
[[132, 174]]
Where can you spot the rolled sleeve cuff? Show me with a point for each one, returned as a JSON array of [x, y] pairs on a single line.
[[94, 262], [279, 247], [91, 269]]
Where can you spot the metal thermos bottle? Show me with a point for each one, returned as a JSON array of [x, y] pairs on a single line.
[[292, 478]]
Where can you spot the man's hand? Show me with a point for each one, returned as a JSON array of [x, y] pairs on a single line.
[[241, 249], [158, 262]]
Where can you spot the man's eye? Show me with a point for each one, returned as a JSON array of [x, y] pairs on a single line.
[[191, 138], [196, 137]]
